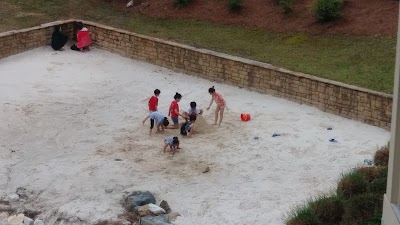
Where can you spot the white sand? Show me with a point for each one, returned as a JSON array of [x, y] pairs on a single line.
[[68, 115]]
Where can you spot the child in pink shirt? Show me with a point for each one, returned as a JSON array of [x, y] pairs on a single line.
[[221, 104]]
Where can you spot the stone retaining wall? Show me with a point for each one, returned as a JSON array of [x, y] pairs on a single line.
[[17, 41], [345, 100]]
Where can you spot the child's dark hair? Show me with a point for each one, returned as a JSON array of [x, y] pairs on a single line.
[[192, 118], [211, 90], [193, 105], [165, 122], [177, 96], [175, 141], [157, 92], [79, 25], [57, 28]]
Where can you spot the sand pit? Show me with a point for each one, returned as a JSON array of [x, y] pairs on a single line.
[[66, 117]]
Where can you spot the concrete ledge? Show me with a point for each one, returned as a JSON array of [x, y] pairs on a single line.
[[391, 213]]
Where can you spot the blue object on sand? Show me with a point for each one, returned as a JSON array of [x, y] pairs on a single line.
[[368, 162], [330, 128], [276, 135], [332, 140]]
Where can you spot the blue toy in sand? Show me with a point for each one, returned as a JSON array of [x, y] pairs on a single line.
[[369, 162], [332, 140], [275, 135], [329, 128]]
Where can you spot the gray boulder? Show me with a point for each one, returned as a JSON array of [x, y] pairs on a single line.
[[38, 222], [154, 220], [138, 198]]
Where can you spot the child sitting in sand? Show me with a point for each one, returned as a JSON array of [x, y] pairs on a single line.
[[187, 128], [192, 111], [83, 40], [58, 39], [153, 103], [173, 144], [221, 104], [160, 120]]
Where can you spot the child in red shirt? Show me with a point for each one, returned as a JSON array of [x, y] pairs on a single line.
[[83, 40], [153, 103], [174, 111]]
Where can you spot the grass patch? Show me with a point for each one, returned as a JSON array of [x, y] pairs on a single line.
[[362, 61], [302, 215]]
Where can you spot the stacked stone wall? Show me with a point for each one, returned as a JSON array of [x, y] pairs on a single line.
[[333, 97]]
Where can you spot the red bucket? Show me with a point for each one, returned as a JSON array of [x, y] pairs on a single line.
[[245, 117]]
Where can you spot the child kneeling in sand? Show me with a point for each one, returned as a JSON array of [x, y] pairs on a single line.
[[173, 144], [187, 128]]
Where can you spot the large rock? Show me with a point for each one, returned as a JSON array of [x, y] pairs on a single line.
[[4, 216], [16, 219], [156, 210], [143, 210], [38, 222], [149, 209], [165, 206], [138, 198], [154, 220], [28, 221], [13, 197]]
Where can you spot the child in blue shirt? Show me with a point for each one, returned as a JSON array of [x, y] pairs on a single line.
[[188, 127], [173, 144]]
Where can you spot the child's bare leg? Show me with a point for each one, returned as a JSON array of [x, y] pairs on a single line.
[[173, 150], [216, 115], [175, 126], [165, 147], [221, 115]]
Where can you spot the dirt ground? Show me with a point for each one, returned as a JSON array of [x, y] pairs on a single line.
[[359, 17]]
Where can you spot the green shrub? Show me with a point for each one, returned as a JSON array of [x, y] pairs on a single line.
[[381, 157], [371, 173], [235, 5], [302, 215], [383, 171], [377, 219], [327, 10], [361, 208], [287, 5], [353, 183], [182, 3], [328, 210], [378, 186]]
